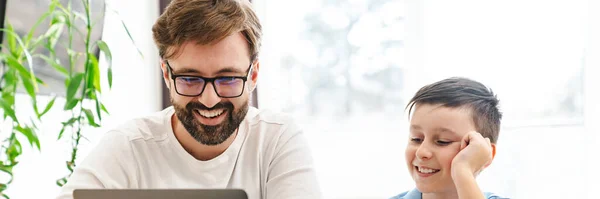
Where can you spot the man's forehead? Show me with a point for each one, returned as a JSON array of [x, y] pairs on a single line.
[[207, 70], [226, 56]]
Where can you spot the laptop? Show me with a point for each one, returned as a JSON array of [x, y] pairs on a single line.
[[159, 194]]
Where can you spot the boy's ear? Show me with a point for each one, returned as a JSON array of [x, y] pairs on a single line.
[[493, 155]]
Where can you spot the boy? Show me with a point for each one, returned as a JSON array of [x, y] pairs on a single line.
[[453, 133]]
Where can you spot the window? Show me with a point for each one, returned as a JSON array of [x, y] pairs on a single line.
[[337, 66], [23, 14], [345, 70]]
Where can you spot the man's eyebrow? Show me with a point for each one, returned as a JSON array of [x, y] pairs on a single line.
[[228, 69], [185, 70]]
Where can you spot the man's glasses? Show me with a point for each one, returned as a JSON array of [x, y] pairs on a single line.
[[225, 86]]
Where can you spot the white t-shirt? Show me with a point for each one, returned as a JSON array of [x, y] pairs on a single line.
[[269, 159]]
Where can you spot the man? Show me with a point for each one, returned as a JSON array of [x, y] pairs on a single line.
[[210, 138]]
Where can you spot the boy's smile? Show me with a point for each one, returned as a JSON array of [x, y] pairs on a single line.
[[425, 171]]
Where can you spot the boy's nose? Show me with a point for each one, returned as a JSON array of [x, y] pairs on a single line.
[[423, 152]]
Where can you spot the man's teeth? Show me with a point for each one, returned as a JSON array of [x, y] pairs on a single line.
[[424, 170], [212, 113]]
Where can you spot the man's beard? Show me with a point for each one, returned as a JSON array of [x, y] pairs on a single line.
[[210, 134]]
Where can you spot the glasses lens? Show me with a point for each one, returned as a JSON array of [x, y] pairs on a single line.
[[229, 86], [189, 85]]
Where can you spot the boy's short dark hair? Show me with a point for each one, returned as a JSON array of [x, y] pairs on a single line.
[[466, 93]]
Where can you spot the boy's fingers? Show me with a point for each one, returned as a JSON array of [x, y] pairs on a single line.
[[465, 141]]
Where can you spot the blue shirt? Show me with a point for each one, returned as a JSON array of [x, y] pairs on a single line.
[[416, 194]]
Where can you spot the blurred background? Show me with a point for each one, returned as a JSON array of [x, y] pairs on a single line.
[[345, 70]]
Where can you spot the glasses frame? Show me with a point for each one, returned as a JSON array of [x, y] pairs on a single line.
[[209, 80]]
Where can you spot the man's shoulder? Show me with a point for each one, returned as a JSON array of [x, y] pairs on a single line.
[[271, 126], [152, 126], [269, 117]]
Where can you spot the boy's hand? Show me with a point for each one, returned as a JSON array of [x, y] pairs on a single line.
[[475, 154]]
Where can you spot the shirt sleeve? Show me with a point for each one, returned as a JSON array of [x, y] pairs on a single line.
[[291, 173], [109, 165]]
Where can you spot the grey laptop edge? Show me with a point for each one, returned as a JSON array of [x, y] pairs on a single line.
[[159, 194]]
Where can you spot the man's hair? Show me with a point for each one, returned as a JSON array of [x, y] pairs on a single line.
[[205, 22], [459, 92]]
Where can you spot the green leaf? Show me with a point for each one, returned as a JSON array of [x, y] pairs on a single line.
[[109, 74], [61, 182], [104, 108], [54, 31], [94, 74], [65, 124], [31, 136], [15, 64], [38, 80], [34, 27], [52, 6], [71, 104], [79, 15], [62, 130], [11, 79], [70, 121], [48, 107], [127, 31], [11, 37], [55, 65], [90, 117], [98, 110], [6, 169], [57, 25], [131, 38], [8, 110], [29, 88], [108, 56], [73, 87], [35, 108]]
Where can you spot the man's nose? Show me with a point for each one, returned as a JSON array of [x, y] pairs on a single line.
[[209, 97]]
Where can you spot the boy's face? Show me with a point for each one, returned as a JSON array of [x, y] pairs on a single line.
[[435, 135]]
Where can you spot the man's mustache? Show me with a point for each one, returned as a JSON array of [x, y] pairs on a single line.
[[197, 105]]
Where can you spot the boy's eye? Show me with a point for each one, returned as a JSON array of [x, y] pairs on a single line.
[[443, 143], [416, 140]]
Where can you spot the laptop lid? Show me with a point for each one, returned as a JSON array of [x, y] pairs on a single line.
[[159, 194]]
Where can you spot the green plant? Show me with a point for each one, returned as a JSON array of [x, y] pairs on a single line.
[[14, 74], [81, 87]]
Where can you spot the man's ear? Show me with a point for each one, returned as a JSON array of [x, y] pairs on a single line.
[[165, 72], [254, 75]]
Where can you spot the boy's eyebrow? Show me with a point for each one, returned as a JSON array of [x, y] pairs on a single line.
[[415, 127], [442, 129]]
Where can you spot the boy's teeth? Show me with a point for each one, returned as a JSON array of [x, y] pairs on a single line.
[[424, 170], [212, 113]]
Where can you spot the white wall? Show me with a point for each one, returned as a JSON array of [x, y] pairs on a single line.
[[136, 92]]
